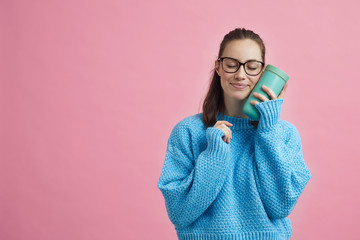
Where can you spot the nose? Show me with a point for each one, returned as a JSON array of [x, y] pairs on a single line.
[[241, 72]]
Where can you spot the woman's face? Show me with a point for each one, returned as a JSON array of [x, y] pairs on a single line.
[[242, 50]]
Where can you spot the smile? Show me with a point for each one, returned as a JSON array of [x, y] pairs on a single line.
[[239, 87]]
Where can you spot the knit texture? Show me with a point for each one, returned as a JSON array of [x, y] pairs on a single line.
[[244, 189]]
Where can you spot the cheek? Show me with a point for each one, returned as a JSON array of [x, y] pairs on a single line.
[[225, 79], [254, 80], [223, 83]]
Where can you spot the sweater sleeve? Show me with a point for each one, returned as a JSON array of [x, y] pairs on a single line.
[[189, 185], [280, 170]]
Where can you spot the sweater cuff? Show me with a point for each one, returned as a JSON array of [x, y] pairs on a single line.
[[216, 145], [269, 112]]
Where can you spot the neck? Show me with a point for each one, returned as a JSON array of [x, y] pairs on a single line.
[[234, 107]]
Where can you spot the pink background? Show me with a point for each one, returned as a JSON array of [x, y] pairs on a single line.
[[90, 91]]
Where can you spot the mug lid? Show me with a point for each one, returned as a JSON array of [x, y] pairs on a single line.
[[277, 71]]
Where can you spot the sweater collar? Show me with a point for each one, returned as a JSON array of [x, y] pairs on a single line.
[[238, 123]]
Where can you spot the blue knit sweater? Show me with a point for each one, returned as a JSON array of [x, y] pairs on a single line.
[[244, 189]]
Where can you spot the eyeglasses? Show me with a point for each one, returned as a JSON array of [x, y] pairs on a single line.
[[232, 65]]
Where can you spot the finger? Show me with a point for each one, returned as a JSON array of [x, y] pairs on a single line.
[[226, 129], [260, 96], [220, 124], [283, 91], [269, 91], [253, 102], [228, 133], [226, 139], [226, 123]]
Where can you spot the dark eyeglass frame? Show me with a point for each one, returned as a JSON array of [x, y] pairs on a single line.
[[240, 63]]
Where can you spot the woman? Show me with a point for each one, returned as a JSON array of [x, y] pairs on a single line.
[[224, 175]]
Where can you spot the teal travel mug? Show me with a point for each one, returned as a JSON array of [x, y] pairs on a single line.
[[272, 77]]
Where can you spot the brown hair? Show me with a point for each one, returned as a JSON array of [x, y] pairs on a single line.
[[214, 101]]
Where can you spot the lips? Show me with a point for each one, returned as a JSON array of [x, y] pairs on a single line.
[[238, 86]]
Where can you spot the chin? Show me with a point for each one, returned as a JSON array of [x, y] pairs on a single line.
[[242, 94], [241, 97]]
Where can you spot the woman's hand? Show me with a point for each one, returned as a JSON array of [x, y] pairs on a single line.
[[224, 126], [270, 93]]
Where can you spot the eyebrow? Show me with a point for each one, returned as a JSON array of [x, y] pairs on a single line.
[[246, 60]]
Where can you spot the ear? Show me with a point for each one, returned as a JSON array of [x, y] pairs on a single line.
[[217, 65]]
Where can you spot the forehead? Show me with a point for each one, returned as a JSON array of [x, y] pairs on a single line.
[[243, 50]]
